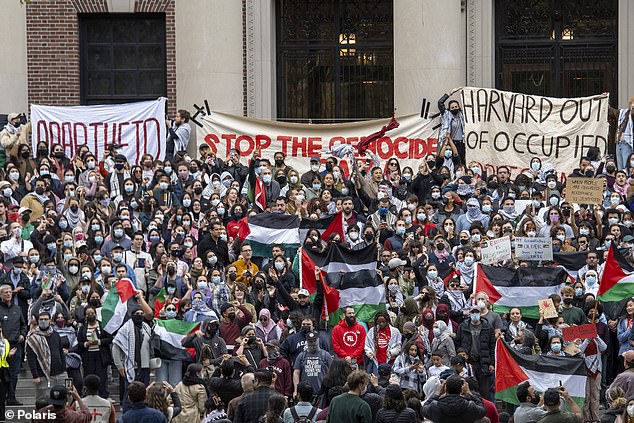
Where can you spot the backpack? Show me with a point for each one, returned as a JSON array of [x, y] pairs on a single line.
[[305, 419]]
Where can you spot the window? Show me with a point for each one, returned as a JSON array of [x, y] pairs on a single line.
[[559, 48], [122, 58], [335, 59]]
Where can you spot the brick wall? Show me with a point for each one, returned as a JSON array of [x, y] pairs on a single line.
[[53, 47]]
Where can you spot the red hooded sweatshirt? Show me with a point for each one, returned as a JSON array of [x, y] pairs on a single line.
[[348, 341]]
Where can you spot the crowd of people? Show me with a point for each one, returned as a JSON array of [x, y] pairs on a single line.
[[73, 228]]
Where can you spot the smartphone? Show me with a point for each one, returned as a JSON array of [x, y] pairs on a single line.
[[140, 263], [68, 384], [353, 363]]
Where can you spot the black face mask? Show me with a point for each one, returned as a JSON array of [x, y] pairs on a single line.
[[91, 319], [440, 246], [198, 190], [281, 180], [211, 330], [279, 162], [368, 237], [137, 319], [231, 316], [305, 329], [42, 151], [609, 168], [455, 112], [39, 190], [95, 302], [441, 316], [431, 164], [25, 154], [567, 301], [232, 276], [252, 339]]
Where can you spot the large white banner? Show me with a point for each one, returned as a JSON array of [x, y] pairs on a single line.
[[138, 127], [506, 128], [410, 142]]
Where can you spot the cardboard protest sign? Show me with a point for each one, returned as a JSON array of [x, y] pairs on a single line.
[[506, 128], [547, 307], [534, 249], [520, 205], [496, 250], [412, 141], [138, 127], [579, 332], [584, 190]]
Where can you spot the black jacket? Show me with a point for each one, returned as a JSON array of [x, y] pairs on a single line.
[[13, 323], [220, 248], [392, 416], [58, 360], [216, 344], [454, 408], [25, 294], [104, 348], [487, 343]]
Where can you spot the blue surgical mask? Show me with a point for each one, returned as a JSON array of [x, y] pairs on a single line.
[[34, 259], [118, 233], [591, 280], [555, 347], [170, 314], [67, 257], [68, 244], [155, 238], [95, 227], [202, 286], [267, 178], [316, 187], [98, 258], [63, 224], [400, 230], [279, 265], [129, 188], [98, 239], [215, 280], [213, 259], [475, 317], [468, 261], [432, 274], [187, 202], [51, 246]]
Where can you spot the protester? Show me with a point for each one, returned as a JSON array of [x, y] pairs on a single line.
[[117, 260], [60, 409]]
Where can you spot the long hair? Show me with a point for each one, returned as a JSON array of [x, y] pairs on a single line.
[[337, 373], [394, 403], [277, 405], [157, 398], [380, 313]]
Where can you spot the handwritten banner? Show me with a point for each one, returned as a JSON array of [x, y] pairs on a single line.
[[411, 142], [584, 190], [496, 250], [579, 332], [138, 127], [506, 128], [534, 249]]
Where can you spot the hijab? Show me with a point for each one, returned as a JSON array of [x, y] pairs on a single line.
[[269, 326]]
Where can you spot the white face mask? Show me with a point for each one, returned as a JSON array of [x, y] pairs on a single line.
[[630, 410]]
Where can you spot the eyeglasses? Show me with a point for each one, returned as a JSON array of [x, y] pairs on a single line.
[[170, 309]]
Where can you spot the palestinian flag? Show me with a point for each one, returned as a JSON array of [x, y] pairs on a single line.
[[348, 278], [264, 230], [541, 371], [260, 195], [523, 288], [320, 224], [115, 309], [617, 281], [572, 262], [170, 334], [335, 227]]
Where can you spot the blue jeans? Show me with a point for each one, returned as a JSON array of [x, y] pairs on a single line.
[[171, 371], [15, 365], [623, 151]]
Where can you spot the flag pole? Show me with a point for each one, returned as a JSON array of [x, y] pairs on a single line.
[[301, 268]]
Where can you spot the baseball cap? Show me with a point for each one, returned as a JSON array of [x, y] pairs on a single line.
[[311, 336], [628, 238], [120, 158], [24, 209], [315, 159], [395, 262], [273, 343], [303, 293], [12, 116], [59, 395], [474, 308]]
